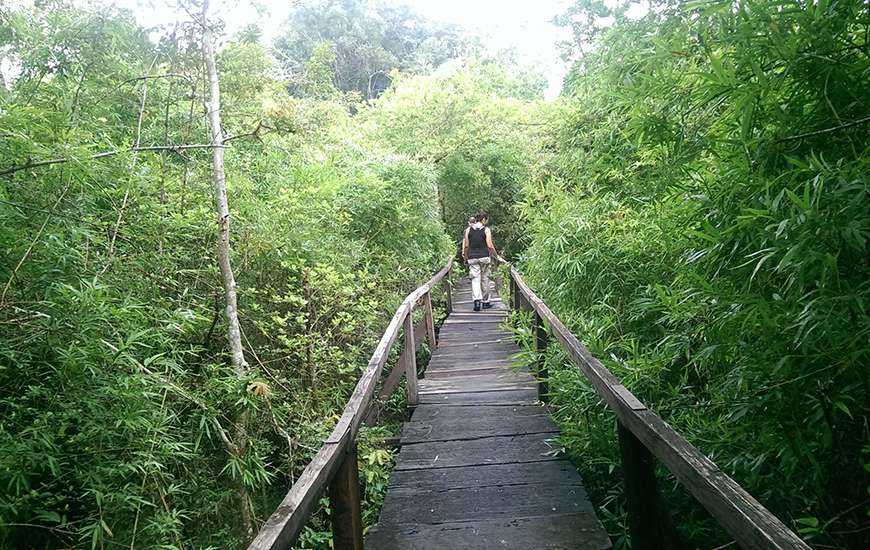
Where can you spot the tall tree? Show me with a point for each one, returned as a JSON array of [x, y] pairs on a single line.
[[222, 209]]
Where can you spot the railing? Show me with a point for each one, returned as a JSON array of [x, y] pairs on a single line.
[[335, 464], [642, 435]]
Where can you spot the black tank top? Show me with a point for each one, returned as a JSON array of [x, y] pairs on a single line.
[[477, 243]]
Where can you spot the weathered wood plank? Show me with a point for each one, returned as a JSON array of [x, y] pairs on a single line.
[[441, 373], [427, 413], [580, 531], [476, 353], [486, 450], [408, 505], [465, 344], [474, 428], [505, 362], [505, 380], [512, 397], [553, 473]]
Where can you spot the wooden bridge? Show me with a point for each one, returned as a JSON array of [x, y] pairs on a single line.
[[477, 469]]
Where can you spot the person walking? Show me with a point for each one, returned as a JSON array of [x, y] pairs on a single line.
[[477, 247]]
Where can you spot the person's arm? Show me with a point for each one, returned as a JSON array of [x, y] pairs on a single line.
[[489, 245], [465, 245]]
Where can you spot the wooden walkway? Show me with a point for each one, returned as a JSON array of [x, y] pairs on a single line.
[[478, 467]]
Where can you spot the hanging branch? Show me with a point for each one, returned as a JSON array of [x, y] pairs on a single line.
[[104, 154], [827, 130]]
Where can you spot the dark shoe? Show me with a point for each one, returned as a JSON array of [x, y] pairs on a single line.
[[477, 305], [487, 305]]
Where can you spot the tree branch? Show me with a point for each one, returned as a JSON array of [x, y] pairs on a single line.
[[173, 148], [827, 130]]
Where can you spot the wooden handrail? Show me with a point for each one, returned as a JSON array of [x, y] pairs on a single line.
[[283, 527], [743, 517]]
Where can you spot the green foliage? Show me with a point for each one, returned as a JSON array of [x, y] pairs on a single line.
[[369, 41], [472, 123], [695, 208], [703, 225], [113, 362]]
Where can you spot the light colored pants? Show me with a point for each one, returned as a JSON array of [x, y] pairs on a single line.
[[478, 269]]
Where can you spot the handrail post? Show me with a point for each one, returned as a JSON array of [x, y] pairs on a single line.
[[649, 521], [448, 289], [410, 365], [429, 320], [541, 340], [344, 500]]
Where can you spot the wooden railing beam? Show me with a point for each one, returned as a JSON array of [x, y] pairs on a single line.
[[282, 528], [743, 517], [285, 523]]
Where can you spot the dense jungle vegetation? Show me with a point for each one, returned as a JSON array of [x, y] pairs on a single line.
[[695, 206]]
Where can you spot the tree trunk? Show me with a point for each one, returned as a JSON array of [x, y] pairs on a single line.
[[223, 251]]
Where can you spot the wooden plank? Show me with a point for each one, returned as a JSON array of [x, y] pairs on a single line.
[[443, 363], [483, 382], [473, 427], [425, 413], [344, 503], [461, 344], [486, 450], [497, 303], [498, 349], [579, 531], [408, 505], [483, 320], [512, 397], [450, 335], [442, 373], [743, 517], [410, 363], [553, 473]]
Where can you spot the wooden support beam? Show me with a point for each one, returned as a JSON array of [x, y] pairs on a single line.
[[410, 361], [344, 501], [448, 287], [395, 376], [649, 521], [541, 373], [429, 320]]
